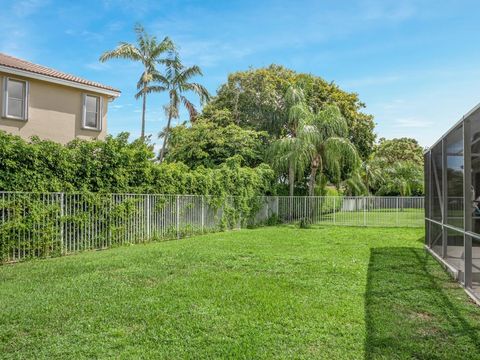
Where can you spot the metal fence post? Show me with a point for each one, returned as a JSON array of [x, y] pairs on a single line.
[[305, 208], [396, 218], [203, 213], [334, 209], [277, 199], [364, 212], [149, 232], [178, 216], [62, 232]]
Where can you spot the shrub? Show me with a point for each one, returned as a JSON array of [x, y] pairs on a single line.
[[304, 223], [115, 165]]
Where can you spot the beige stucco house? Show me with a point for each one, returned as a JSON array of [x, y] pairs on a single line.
[[36, 100]]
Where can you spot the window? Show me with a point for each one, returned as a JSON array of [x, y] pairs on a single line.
[[15, 104], [92, 112]]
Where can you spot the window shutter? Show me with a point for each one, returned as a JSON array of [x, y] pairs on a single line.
[[5, 97], [27, 96], [84, 111], [100, 113]]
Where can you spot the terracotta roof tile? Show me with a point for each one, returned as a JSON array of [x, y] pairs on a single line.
[[19, 64]]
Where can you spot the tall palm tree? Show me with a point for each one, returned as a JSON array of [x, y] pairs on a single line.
[[316, 141], [328, 144], [288, 154], [147, 51], [176, 82]]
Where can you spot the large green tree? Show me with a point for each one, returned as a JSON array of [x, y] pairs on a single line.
[[256, 98], [316, 141], [392, 151], [394, 168], [213, 139], [289, 153], [150, 53]]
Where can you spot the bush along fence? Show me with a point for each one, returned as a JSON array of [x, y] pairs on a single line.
[[36, 225]]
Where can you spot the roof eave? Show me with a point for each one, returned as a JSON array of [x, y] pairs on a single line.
[[55, 80]]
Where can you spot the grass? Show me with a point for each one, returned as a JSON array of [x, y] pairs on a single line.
[[332, 292], [384, 217]]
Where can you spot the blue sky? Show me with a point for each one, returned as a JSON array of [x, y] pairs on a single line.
[[415, 64]]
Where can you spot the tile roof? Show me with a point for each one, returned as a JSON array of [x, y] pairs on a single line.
[[19, 64]]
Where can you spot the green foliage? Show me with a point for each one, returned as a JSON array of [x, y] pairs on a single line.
[[256, 99], [96, 168], [118, 166], [395, 168], [150, 53], [401, 149], [404, 178], [210, 143], [304, 223], [177, 82], [29, 226], [112, 165], [316, 141]]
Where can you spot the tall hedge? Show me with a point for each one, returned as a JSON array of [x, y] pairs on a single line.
[[98, 167], [115, 165]]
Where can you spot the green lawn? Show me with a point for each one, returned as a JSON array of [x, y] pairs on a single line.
[[332, 292], [384, 217]]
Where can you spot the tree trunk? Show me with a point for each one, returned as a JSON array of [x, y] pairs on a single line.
[[291, 178], [144, 109], [311, 182], [165, 138]]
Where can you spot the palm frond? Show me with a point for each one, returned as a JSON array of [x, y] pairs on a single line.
[[340, 152], [198, 89], [192, 111], [294, 96], [149, 90], [122, 51], [165, 46], [330, 122]]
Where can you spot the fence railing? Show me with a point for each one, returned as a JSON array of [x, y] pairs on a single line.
[[52, 224], [347, 210]]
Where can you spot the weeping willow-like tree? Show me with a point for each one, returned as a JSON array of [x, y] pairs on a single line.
[[289, 154], [369, 175], [328, 145], [317, 142], [150, 53]]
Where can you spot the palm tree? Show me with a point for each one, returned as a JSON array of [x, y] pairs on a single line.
[[368, 176], [288, 154], [176, 82], [328, 144], [147, 51], [315, 141]]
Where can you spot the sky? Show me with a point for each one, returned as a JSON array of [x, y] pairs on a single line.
[[415, 64]]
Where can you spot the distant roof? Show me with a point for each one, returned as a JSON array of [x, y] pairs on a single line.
[[66, 79]]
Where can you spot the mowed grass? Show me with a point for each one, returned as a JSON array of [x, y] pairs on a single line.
[[280, 292], [383, 217]]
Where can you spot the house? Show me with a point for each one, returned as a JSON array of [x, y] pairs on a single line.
[[36, 100]]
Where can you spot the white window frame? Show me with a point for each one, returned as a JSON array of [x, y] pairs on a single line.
[[99, 114], [5, 114]]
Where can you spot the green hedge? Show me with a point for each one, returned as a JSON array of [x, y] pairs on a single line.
[[114, 165]]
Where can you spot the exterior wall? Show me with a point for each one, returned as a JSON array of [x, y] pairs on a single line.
[[54, 113]]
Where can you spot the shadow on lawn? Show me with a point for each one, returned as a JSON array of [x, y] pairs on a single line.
[[414, 310]]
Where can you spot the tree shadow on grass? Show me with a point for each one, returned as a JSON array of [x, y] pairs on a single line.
[[413, 309]]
